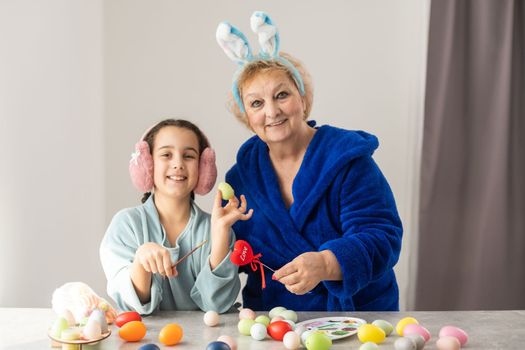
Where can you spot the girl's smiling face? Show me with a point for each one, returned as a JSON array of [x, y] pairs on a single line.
[[274, 106], [175, 161]]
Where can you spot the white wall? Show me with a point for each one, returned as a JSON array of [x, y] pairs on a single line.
[[51, 140], [160, 59]]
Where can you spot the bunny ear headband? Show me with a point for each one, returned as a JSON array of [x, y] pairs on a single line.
[[236, 47]]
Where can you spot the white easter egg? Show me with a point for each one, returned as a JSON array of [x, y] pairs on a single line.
[[211, 318], [100, 317], [258, 331], [92, 330], [291, 340], [404, 344]]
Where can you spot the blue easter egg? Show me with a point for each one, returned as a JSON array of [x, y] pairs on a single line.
[[149, 347], [218, 345]]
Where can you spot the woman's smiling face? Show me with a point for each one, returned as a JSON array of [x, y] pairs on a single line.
[[274, 106]]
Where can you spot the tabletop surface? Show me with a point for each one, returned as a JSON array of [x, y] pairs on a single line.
[[27, 329]]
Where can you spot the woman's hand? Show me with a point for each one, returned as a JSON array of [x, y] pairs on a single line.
[[306, 271], [155, 258]]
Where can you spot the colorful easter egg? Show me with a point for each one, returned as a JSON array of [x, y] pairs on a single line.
[[413, 328], [369, 346], [245, 325], [265, 320], [149, 347], [448, 343], [218, 345], [247, 313], [276, 311], [211, 318], [452, 331], [226, 190], [385, 326], [100, 317], [171, 334], [232, 343], [289, 315], [258, 331], [92, 330], [403, 322], [318, 341], [418, 339], [370, 333], [126, 317], [278, 329], [404, 343], [132, 331], [291, 340]]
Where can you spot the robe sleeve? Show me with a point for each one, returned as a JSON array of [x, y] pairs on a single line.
[[371, 227], [217, 289], [117, 252]]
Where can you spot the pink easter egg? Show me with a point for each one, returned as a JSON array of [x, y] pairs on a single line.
[[448, 343], [247, 314], [456, 332], [228, 340], [416, 329]]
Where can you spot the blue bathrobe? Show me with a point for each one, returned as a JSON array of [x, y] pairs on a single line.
[[342, 202]]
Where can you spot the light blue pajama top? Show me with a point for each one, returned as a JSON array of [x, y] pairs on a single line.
[[196, 286]]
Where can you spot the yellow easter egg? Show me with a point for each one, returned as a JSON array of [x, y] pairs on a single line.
[[403, 322], [370, 333]]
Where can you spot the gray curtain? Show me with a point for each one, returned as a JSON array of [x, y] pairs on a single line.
[[472, 230]]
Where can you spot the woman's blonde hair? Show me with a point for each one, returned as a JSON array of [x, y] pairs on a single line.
[[252, 69]]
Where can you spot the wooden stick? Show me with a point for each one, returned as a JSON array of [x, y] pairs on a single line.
[[191, 252]]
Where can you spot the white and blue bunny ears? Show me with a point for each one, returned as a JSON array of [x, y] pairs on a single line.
[[236, 47]]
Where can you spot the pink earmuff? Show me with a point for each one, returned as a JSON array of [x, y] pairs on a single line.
[[141, 169]]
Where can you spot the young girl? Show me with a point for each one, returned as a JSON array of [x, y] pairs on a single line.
[[141, 245]]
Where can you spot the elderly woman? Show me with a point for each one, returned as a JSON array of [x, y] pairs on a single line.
[[324, 216]]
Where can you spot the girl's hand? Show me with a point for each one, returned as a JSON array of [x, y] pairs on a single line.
[[306, 271], [155, 258], [222, 218], [225, 217]]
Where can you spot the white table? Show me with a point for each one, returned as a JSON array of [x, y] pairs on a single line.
[[27, 329]]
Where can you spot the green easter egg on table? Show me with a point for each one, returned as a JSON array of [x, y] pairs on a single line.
[[265, 320], [245, 325], [318, 341]]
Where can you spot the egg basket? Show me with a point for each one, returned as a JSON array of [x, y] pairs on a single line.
[[80, 342]]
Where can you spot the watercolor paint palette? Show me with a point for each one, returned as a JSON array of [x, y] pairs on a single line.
[[334, 327]]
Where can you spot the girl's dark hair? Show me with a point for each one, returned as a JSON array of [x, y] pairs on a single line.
[[179, 123]]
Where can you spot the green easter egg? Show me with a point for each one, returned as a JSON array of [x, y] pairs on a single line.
[[226, 190], [289, 315], [245, 325], [318, 341], [265, 320], [385, 326]]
